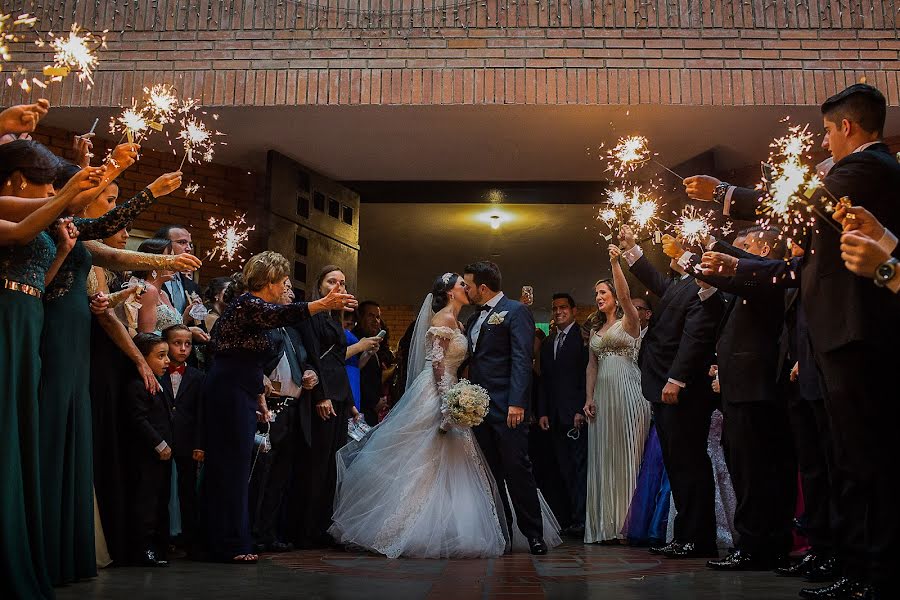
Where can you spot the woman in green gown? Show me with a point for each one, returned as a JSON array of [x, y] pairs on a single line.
[[26, 254]]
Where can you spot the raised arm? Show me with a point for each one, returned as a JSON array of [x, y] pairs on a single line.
[[129, 260], [639, 265], [630, 320]]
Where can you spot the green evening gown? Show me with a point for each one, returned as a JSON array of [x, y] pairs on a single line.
[[22, 570], [66, 446]]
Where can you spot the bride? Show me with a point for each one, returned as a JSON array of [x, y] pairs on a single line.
[[407, 490]]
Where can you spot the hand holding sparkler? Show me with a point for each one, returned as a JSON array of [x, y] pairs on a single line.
[[626, 236], [614, 253], [81, 149], [183, 263], [122, 157], [701, 187], [672, 247], [716, 263], [23, 118], [857, 218], [165, 184], [861, 254]]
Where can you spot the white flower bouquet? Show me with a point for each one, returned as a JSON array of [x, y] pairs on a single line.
[[465, 405]]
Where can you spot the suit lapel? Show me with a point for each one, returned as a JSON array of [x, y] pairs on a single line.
[[166, 385], [484, 326]]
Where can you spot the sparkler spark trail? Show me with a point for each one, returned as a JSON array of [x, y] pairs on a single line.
[[161, 103], [131, 123], [76, 52], [196, 138], [230, 236], [10, 32], [630, 153], [693, 226]]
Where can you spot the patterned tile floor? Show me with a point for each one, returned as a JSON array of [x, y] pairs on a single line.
[[571, 571]]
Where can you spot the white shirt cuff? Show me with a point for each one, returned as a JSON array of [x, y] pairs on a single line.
[[707, 293], [685, 261], [162, 446], [633, 255], [726, 204], [888, 241], [680, 384]]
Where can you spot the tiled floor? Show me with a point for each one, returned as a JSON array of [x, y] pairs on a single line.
[[571, 571]]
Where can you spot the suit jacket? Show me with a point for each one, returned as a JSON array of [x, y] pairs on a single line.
[[326, 343], [680, 341], [748, 342], [150, 416], [188, 423], [189, 288], [869, 178], [308, 357], [502, 359], [561, 394]]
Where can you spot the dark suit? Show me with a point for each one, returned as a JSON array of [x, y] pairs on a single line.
[[369, 384], [854, 326], [274, 470], [679, 345], [150, 417], [501, 363], [181, 300], [561, 396], [756, 432], [188, 431]]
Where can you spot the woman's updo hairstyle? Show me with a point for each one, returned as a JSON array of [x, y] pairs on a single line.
[[440, 290], [32, 159]]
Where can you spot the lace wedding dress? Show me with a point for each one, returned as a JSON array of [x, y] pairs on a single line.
[[407, 490]]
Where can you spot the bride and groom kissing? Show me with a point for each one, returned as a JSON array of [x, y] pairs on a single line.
[[406, 490]]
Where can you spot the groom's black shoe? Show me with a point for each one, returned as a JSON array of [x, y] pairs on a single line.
[[664, 548], [740, 560], [537, 546], [691, 550]]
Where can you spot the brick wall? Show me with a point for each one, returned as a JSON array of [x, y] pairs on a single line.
[[414, 52], [224, 192]]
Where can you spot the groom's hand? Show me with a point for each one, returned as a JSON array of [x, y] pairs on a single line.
[[515, 416]]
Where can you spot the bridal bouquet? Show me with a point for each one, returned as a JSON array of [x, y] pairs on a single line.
[[465, 404]]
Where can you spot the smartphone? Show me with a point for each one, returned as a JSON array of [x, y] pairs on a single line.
[[381, 334]]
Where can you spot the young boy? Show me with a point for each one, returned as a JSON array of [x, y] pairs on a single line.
[[183, 387], [150, 416]]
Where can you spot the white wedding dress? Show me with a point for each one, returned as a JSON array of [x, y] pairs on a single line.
[[407, 490]]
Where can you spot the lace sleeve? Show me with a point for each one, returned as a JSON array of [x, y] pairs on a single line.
[[116, 219], [255, 313], [443, 378]]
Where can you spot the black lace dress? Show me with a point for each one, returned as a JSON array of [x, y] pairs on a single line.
[[239, 347]]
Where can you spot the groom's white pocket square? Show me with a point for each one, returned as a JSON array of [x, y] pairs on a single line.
[[497, 318]]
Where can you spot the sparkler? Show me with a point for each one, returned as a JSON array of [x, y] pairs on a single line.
[[197, 138], [75, 52], [632, 152], [693, 225], [161, 103], [230, 236], [132, 123], [10, 32]]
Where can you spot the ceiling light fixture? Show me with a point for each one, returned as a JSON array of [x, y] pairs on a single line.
[[495, 221]]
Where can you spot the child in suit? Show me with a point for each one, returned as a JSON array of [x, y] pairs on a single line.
[[150, 417], [182, 385]]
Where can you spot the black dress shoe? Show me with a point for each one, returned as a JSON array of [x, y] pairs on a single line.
[[537, 546], [825, 570], [840, 589], [691, 550], [664, 548], [148, 559], [740, 560], [801, 569]]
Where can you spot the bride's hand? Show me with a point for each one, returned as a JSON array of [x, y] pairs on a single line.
[[589, 410]]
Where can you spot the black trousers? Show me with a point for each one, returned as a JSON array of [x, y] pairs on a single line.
[[150, 503], [506, 452], [271, 479], [759, 452], [313, 486], [683, 431], [571, 456], [187, 501], [860, 397], [812, 443]]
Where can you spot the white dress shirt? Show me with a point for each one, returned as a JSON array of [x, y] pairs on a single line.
[[476, 329], [557, 343]]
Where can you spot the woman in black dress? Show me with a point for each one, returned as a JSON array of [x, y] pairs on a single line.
[[234, 394], [313, 493]]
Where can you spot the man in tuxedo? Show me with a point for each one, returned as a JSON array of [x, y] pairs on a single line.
[[182, 386], [674, 360], [369, 326], [756, 433], [180, 288], [645, 313], [855, 357], [501, 346], [561, 398], [295, 383]]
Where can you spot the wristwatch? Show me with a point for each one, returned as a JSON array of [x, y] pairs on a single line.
[[720, 191], [886, 271]]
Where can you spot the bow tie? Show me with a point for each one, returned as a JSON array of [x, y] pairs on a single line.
[[484, 307], [179, 370]]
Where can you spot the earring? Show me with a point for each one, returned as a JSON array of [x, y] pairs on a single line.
[[153, 274]]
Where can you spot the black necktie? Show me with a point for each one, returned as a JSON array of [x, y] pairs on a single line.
[[296, 371], [484, 307]]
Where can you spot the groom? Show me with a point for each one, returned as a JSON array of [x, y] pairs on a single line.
[[501, 345]]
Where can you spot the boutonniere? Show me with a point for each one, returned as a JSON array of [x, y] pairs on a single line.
[[497, 318]]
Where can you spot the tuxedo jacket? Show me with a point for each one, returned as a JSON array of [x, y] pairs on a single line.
[[870, 178], [326, 344], [305, 349], [501, 361], [748, 345], [561, 393], [150, 417], [188, 423], [680, 341], [189, 288]]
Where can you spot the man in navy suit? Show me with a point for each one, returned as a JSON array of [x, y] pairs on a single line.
[[561, 398], [501, 346]]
